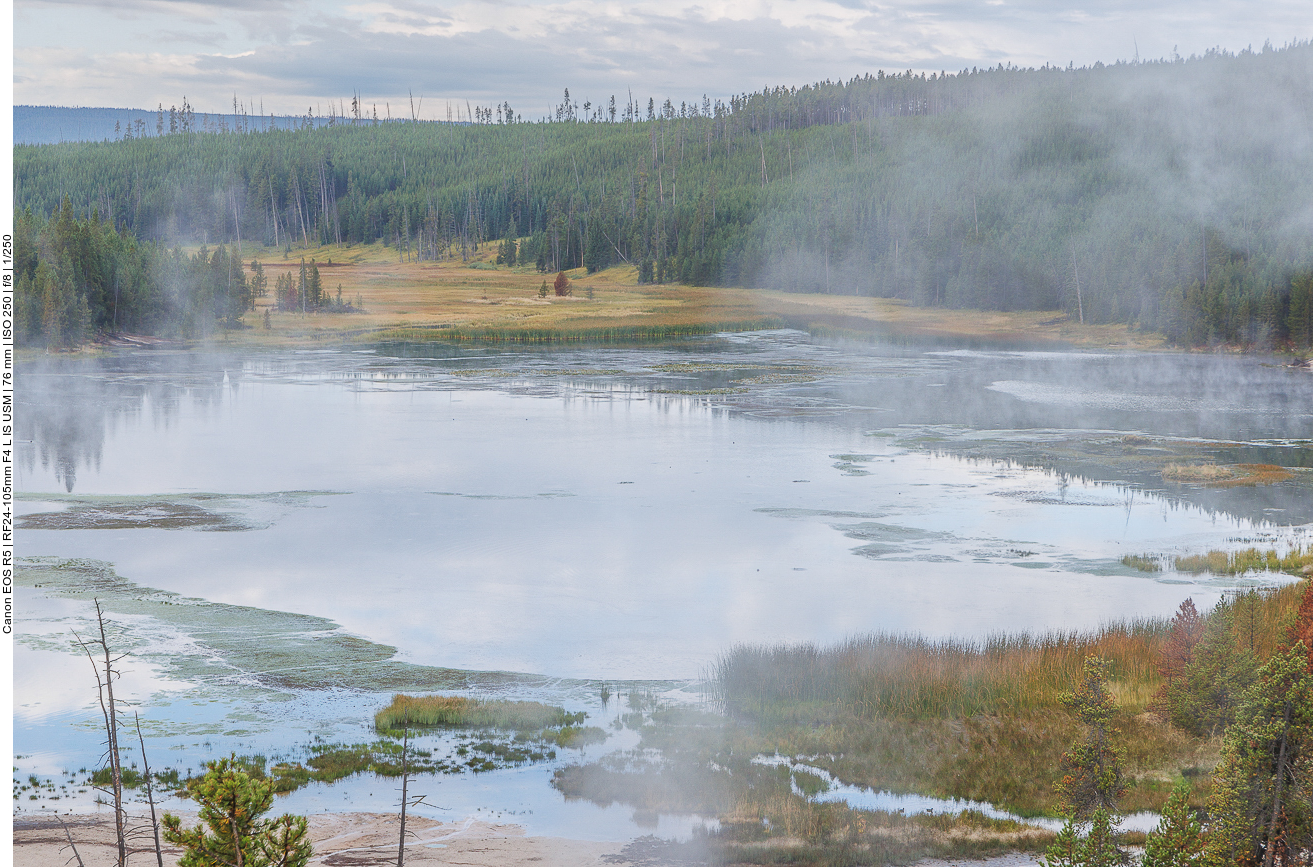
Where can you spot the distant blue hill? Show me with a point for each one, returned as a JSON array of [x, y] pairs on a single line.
[[49, 124]]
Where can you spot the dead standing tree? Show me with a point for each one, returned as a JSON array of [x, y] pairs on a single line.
[[407, 800], [109, 710], [150, 794], [103, 663]]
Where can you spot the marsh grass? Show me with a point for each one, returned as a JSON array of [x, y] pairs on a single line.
[[433, 711], [1197, 473], [1143, 562], [1296, 561], [1239, 475], [795, 831], [888, 675]]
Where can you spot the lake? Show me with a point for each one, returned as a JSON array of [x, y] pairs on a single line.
[[281, 540]]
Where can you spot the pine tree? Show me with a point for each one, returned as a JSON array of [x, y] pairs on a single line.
[[1100, 845], [1066, 849], [1299, 320], [232, 829], [259, 282], [1092, 769], [314, 287], [1096, 848], [1262, 800], [1222, 667], [1178, 841]]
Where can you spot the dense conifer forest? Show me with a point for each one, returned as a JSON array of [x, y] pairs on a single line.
[[1171, 195]]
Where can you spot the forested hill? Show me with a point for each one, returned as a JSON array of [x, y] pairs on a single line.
[[1176, 195]]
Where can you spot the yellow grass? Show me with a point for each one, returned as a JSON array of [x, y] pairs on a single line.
[[415, 301], [1239, 475], [910, 676], [450, 710]]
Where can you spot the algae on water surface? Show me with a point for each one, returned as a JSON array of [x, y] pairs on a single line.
[[274, 649], [214, 512]]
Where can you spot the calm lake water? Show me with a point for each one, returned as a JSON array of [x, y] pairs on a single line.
[[264, 529]]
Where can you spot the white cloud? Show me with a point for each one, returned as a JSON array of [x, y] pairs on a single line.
[[294, 52]]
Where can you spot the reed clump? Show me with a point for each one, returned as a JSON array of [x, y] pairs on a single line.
[[1240, 475], [890, 675], [1197, 473], [1296, 561], [1143, 562], [434, 711]]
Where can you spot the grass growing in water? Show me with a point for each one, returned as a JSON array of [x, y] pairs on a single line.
[[431, 711], [1240, 475], [1297, 561], [1143, 562]]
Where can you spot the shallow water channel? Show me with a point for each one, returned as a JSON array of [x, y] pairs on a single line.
[[284, 539]]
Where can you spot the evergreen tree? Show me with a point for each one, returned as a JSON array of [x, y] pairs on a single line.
[[1095, 848], [1300, 319], [1178, 841], [314, 288], [1204, 700], [259, 282], [1100, 845], [232, 829], [1092, 778], [1066, 850], [1262, 801]]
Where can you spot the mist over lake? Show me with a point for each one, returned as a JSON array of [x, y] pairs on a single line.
[[574, 516]]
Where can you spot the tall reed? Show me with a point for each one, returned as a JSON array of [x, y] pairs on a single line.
[[885, 674], [1296, 561]]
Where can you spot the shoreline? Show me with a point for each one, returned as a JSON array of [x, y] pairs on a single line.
[[481, 302], [358, 839], [340, 839]]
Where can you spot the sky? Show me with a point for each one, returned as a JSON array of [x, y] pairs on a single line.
[[286, 56]]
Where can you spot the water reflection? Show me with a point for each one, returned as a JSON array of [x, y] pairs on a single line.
[[605, 513], [1068, 413]]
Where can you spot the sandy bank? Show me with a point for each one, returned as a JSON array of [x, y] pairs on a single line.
[[340, 840], [370, 840]]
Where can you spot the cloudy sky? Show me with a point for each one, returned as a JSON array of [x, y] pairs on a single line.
[[292, 54]]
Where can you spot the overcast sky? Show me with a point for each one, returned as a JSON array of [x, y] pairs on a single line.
[[292, 54]]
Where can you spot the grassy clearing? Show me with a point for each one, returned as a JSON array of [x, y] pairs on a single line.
[[1297, 561], [480, 300], [461, 712]]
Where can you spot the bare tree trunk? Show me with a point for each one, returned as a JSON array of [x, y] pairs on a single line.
[[405, 780], [71, 844], [150, 794], [105, 693]]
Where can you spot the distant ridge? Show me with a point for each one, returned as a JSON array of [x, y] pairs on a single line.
[[51, 124]]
